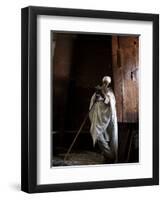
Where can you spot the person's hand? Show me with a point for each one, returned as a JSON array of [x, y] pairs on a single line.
[[106, 100]]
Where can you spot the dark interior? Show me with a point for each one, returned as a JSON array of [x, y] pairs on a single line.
[[79, 62]]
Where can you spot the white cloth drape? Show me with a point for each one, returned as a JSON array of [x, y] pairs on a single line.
[[103, 119]]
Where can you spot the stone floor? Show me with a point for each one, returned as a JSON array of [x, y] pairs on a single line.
[[78, 158]]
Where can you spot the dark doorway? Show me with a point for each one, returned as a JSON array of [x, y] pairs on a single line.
[[82, 69]]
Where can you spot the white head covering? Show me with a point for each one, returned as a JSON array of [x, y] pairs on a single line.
[[107, 79]]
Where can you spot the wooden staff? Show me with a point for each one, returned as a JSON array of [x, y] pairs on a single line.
[[73, 142]]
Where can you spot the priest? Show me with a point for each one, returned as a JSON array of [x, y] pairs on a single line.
[[103, 119]]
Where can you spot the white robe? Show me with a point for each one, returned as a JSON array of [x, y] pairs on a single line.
[[103, 119]]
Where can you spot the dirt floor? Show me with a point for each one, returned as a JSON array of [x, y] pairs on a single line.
[[78, 158]]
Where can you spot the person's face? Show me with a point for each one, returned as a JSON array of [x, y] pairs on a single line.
[[105, 84]]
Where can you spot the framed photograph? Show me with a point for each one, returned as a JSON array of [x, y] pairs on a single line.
[[90, 99]]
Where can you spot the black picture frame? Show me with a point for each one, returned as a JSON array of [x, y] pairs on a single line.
[[29, 99]]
